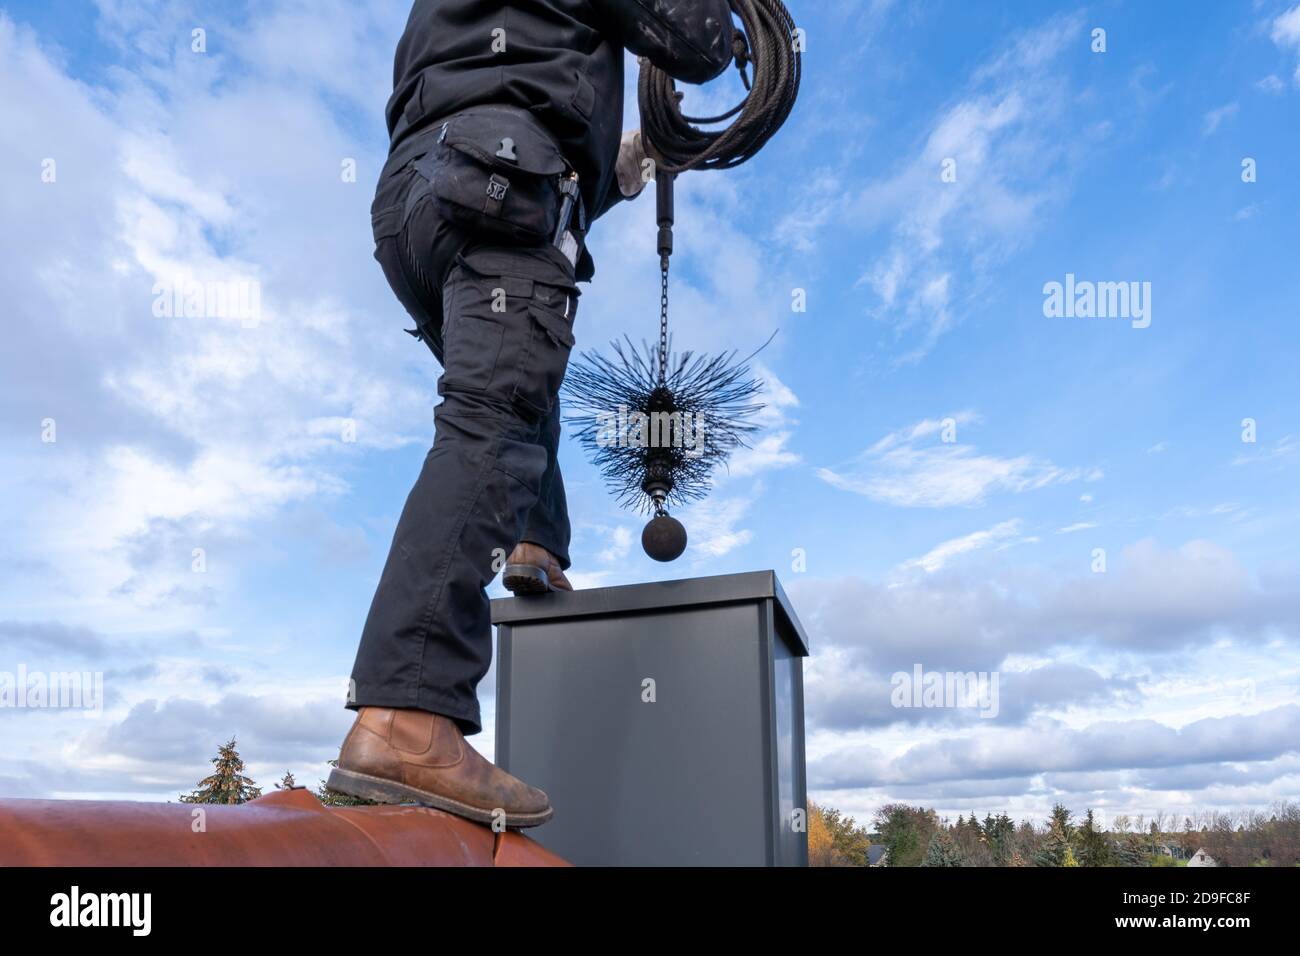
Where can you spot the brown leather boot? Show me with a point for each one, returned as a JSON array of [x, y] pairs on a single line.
[[413, 756], [531, 569]]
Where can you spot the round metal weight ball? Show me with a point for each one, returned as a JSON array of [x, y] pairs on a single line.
[[664, 538]]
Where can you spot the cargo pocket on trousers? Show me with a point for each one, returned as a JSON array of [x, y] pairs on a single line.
[[471, 344], [550, 343]]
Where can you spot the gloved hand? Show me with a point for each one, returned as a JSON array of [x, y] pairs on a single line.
[[630, 165]]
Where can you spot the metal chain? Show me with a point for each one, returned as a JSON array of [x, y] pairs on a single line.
[[663, 321]]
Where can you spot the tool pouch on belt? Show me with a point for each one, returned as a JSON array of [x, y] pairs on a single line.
[[494, 171]]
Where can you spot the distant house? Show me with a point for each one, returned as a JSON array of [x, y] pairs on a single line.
[[877, 855], [1201, 858]]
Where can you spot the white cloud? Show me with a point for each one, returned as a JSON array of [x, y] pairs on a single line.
[[620, 543], [1151, 600], [1286, 33], [766, 453], [767, 446], [1215, 117], [211, 422], [1279, 451], [938, 556], [1171, 680], [900, 470], [712, 527], [1077, 526], [946, 234], [1203, 511], [1050, 746]]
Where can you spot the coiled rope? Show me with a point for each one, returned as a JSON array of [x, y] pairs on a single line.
[[767, 44]]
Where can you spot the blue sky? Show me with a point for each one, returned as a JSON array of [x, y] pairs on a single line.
[[1165, 684]]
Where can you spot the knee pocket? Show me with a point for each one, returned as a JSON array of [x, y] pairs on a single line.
[[525, 462], [508, 335], [549, 344]]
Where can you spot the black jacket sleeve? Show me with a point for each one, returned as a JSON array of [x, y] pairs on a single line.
[[690, 40]]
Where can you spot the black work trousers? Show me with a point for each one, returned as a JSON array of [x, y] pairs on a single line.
[[499, 319]]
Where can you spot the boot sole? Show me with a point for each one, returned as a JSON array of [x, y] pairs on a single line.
[[366, 787], [525, 579]]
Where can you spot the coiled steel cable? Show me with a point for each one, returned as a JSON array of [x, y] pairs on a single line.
[[768, 44]]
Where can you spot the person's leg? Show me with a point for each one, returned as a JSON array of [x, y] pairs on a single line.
[[548, 522], [427, 639], [537, 564], [506, 340]]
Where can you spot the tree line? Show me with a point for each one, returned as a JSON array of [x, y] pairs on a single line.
[[916, 836]]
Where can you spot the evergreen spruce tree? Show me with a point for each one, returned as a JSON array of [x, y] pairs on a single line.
[[999, 831], [1094, 844], [226, 783], [1130, 851], [943, 850], [1055, 846], [1061, 817]]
